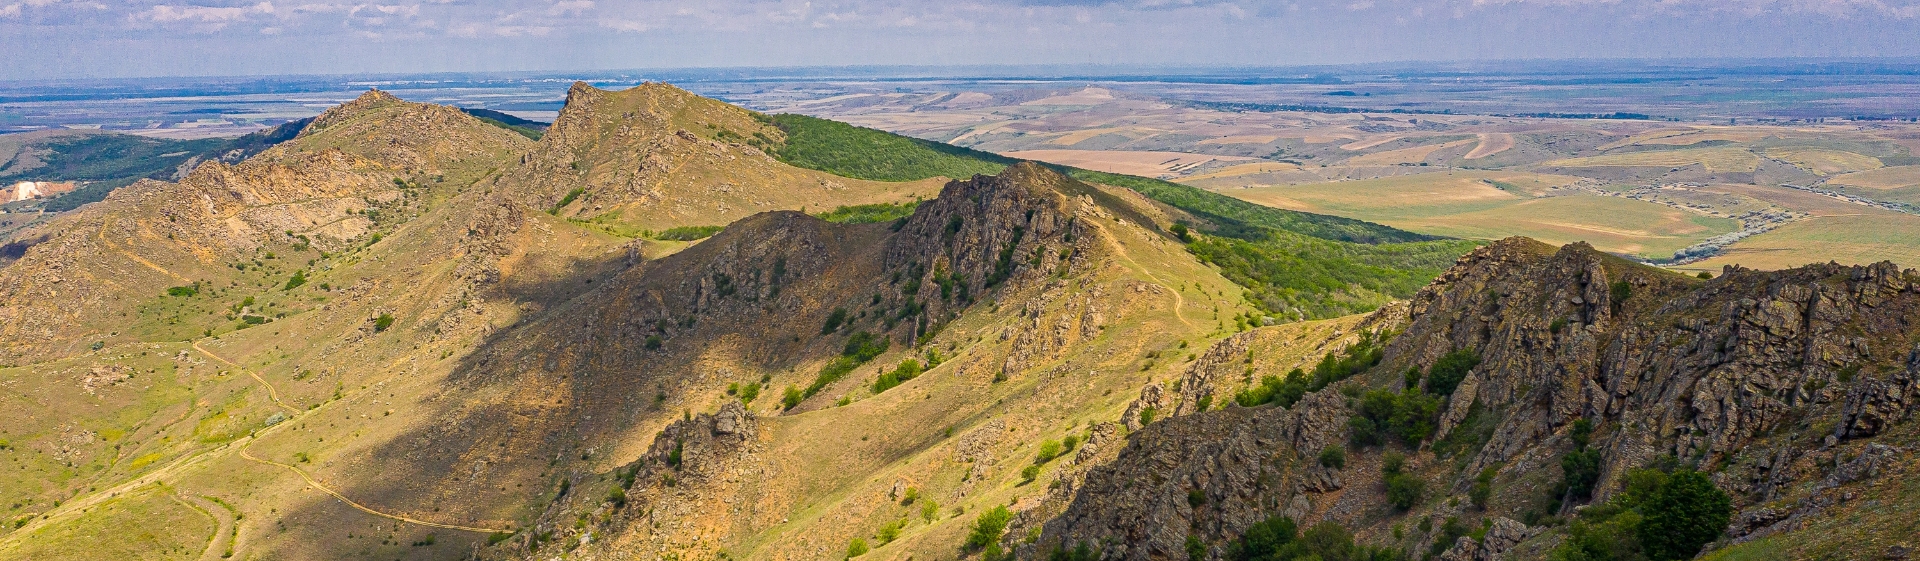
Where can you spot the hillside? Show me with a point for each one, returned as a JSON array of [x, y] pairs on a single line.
[[1592, 381]]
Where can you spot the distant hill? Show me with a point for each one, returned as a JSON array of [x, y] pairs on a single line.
[[108, 160], [527, 127]]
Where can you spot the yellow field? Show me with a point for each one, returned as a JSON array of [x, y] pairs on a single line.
[[1412, 155], [1687, 136], [1245, 169], [1490, 144], [1824, 162], [1369, 143], [1473, 205], [1883, 178], [1138, 162], [1242, 139], [1715, 159], [1079, 136], [1850, 240]]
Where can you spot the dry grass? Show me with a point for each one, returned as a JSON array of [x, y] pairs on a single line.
[[1867, 237], [1824, 162], [1883, 178], [1490, 144], [1412, 155], [1714, 159], [1143, 163]]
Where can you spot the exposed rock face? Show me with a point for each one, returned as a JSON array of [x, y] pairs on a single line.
[[1501, 537], [1730, 375]]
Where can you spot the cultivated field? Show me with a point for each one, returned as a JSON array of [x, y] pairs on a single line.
[[1148, 164], [1866, 237], [1714, 159]]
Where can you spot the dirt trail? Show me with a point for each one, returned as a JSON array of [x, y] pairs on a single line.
[[219, 546], [1178, 300], [349, 502], [271, 393], [102, 237]]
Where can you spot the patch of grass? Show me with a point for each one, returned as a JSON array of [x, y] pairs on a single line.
[[863, 153], [869, 214], [688, 233]]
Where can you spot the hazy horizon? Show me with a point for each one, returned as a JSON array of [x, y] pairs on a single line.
[[66, 39]]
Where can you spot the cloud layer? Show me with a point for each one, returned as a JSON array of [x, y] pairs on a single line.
[[57, 38]]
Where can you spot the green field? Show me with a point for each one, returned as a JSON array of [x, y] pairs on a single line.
[[1869, 237]]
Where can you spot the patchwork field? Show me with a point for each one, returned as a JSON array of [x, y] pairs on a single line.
[[1883, 178], [1867, 237], [1492, 205], [1714, 159], [1824, 162], [1143, 163]]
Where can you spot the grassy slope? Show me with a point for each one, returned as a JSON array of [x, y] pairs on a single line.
[[1296, 265]]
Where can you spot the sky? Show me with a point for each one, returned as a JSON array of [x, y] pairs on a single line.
[[63, 39]]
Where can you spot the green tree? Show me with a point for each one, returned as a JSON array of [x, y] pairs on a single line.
[[987, 528], [1682, 516]]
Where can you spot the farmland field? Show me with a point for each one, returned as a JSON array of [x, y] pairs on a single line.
[[1883, 178], [1714, 159], [1492, 205], [1867, 237], [1824, 162]]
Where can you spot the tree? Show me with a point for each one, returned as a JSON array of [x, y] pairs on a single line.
[[987, 528], [1446, 373], [1682, 516]]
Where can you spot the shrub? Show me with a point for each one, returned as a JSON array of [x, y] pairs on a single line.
[[834, 320], [1405, 490], [749, 392], [987, 528], [869, 214], [1450, 532], [652, 343], [1704, 275], [1409, 416], [187, 291], [688, 233], [860, 348], [1080, 552], [1196, 497], [1620, 291], [1334, 457], [299, 278], [617, 496], [1196, 547], [1682, 516], [1049, 449], [1147, 414], [1070, 442], [907, 370], [791, 398], [929, 510], [382, 323], [1180, 231], [890, 532], [856, 548], [566, 200], [912, 494], [1029, 473], [1446, 373], [1482, 488]]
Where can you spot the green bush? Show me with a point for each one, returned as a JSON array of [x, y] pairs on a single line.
[[1029, 473], [566, 200], [986, 529], [382, 323], [1446, 373], [1334, 457], [1196, 548], [869, 214], [834, 321], [1682, 516], [791, 398], [1409, 416], [860, 348], [1482, 488], [856, 548], [1279, 539], [187, 291], [907, 370], [299, 278], [1404, 490], [890, 532], [1049, 449], [929, 510], [688, 233], [1580, 469], [1147, 415], [1660, 516]]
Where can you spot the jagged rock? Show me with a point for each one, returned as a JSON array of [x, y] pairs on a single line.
[[1151, 398], [1501, 537]]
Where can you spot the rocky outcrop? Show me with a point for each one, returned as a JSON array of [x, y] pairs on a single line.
[[1767, 379]]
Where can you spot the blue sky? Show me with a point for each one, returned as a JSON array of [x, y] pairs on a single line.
[[119, 38]]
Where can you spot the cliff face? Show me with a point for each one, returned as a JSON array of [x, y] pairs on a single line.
[[1770, 381]]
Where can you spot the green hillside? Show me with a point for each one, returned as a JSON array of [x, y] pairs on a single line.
[[1295, 265]]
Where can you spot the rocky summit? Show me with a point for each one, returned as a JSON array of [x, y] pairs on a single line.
[[672, 328]]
